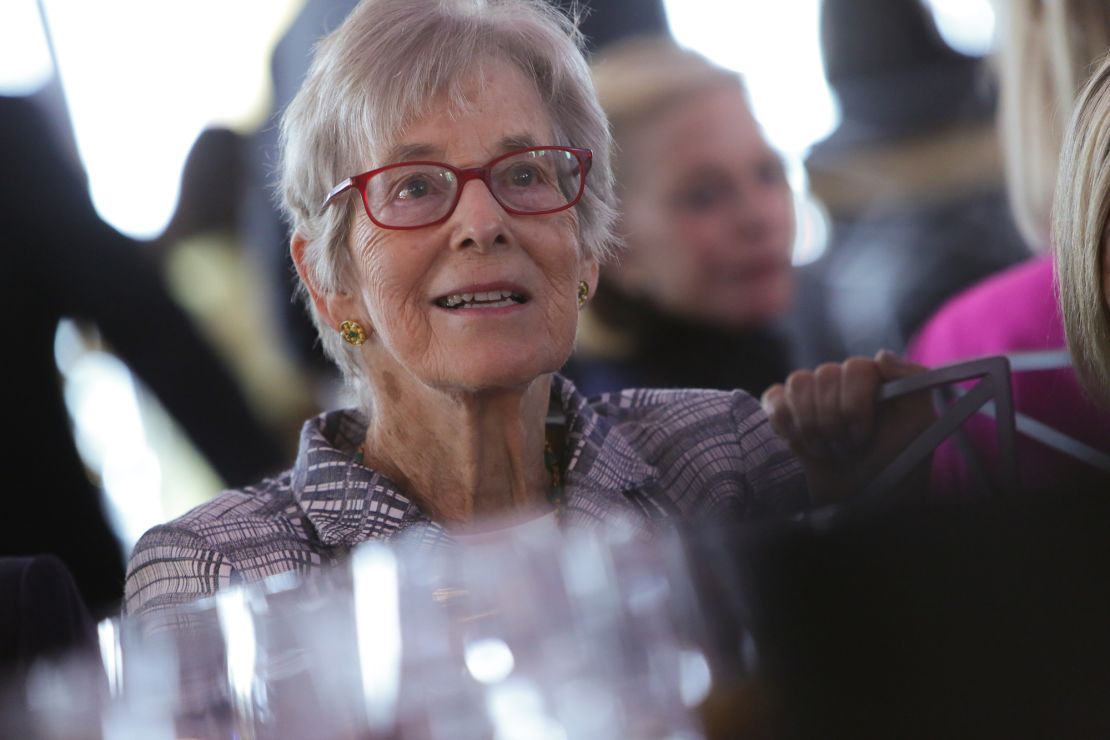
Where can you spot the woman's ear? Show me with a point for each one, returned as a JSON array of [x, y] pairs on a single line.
[[332, 307]]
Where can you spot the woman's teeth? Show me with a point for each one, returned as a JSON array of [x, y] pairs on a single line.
[[489, 299]]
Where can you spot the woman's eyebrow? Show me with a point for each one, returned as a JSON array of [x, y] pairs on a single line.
[[516, 141], [410, 152]]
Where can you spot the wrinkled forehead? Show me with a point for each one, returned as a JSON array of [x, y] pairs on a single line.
[[451, 99]]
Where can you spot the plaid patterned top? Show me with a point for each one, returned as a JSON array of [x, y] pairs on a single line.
[[638, 456]]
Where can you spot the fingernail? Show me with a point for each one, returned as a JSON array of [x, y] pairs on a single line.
[[890, 358]]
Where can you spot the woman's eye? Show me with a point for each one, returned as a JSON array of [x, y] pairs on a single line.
[[702, 197], [413, 189], [771, 172], [523, 177]]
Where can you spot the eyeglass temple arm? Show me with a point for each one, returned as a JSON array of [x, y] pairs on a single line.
[[336, 192], [994, 381]]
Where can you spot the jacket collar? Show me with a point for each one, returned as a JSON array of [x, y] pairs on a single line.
[[348, 503]]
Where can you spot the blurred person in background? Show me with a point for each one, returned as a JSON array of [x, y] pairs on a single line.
[[1046, 52], [446, 174], [63, 261], [912, 178], [1081, 234], [707, 217]]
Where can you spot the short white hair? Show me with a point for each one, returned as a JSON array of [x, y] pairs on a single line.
[[1080, 215], [383, 68]]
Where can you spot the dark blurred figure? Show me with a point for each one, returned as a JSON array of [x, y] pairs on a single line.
[[943, 618], [264, 232], [707, 217], [223, 288], [912, 179], [63, 261], [41, 612]]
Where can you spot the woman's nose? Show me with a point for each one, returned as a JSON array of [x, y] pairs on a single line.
[[480, 220], [758, 211]]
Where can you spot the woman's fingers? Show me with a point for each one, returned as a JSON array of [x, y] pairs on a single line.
[[828, 380], [831, 420], [857, 399], [774, 405], [893, 367], [802, 402], [786, 407], [830, 411]]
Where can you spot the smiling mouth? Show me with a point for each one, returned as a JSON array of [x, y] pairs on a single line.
[[489, 299]]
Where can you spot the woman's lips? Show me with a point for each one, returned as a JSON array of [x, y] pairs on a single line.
[[750, 271]]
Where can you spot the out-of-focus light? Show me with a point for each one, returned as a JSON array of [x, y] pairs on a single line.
[[965, 25], [25, 64], [378, 630], [237, 626], [110, 436], [812, 224], [489, 660], [143, 79], [111, 655], [776, 47], [517, 712], [694, 679]]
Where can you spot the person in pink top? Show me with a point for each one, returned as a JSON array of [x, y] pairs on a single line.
[[1045, 55], [1014, 312]]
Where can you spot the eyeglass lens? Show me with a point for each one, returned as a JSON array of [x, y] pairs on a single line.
[[531, 181]]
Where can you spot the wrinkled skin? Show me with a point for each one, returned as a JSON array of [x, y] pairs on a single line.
[[460, 396]]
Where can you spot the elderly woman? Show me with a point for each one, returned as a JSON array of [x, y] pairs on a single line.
[[1081, 232], [446, 173]]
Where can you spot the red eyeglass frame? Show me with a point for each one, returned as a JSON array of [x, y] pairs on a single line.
[[585, 159]]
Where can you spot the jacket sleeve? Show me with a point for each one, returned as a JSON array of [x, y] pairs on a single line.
[[171, 566], [773, 475]]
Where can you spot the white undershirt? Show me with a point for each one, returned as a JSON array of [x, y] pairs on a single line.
[[524, 529]]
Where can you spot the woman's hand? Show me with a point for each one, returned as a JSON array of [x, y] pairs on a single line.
[[843, 437]]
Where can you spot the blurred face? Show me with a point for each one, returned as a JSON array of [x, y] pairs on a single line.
[[485, 299], [707, 214]]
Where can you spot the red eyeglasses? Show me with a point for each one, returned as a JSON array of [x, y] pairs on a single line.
[[526, 182]]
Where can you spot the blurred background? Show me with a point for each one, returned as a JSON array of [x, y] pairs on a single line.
[[148, 264]]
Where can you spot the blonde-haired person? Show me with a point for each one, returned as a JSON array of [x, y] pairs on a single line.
[[1047, 51], [707, 218], [446, 174], [1081, 233]]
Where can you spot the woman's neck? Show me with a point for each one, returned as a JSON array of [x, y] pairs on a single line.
[[462, 455]]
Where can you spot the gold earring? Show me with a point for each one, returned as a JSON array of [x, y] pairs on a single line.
[[352, 332], [583, 292]]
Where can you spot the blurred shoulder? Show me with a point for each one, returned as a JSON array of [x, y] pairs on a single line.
[[225, 519], [240, 535]]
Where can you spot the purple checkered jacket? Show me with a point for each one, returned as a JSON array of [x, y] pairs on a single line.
[[640, 457]]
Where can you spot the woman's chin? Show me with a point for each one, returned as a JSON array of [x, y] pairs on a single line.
[[506, 372]]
